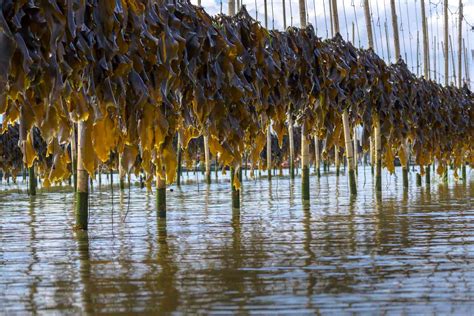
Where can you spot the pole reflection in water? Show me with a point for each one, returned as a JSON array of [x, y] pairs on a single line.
[[165, 280], [402, 251], [87, 282]]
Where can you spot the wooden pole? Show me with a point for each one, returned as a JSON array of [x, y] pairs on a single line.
[[284, 14], [355, 149], [345, 121], [232, 7], [207, 157], [331, 18], [235, 172], [269, 152], [266, 13], [452, 59], [161, 193], [396, 41], [292, 146], [426, 66], [377, 145], [74, 156], [336, 159], [460, 44], [304, 140], [368, 23], [376, 158], [178, 168], [317, 157], [235, 191], [82, 194], [31, 171], [460, 49], [121, 173]]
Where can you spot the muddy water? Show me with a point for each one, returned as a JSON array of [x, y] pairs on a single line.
[[404, 251]]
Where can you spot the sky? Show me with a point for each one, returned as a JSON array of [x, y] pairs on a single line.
[[351, 17]]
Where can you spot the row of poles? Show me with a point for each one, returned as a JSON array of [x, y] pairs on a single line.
[[81, 178]]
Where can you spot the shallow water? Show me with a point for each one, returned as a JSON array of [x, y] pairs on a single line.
[[402, 252]]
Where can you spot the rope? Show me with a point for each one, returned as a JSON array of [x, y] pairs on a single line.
[[345, 19], [273, 15], [315, 17], [409, 34], [256, 10], [307, 11], [380, 29], [373, 25], [325, 18], [438, 69], [291, 12], [418, 56], [386, 31], [356, 21]]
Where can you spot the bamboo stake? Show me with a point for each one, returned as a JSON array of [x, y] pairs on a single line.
[[304, 140], [235, 191], [356, 161], [460, 44], [370, 38], [317, 160], [207, 157], [345, 120], [304, 164], [377, 141], [31, 171], [446, 53], [292, 146], [232, 7], [426, 67], [74, 156], [269, 152], [452, 59], [235, 172], [460, 49], [121, 173], [161, 193], [82, 194], [178, 168], [396, 41]]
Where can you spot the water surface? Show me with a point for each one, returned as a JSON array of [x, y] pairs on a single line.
[[404, 251]]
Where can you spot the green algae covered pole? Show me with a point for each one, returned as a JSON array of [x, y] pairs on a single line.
[[121, 173], [317, 157], [82, 194], [160, 195], [32, 181], [304, 165], [207, 159], [269, 152], [349, 153], [235, 191], [292, 146], [74, 156], [178, 168]]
